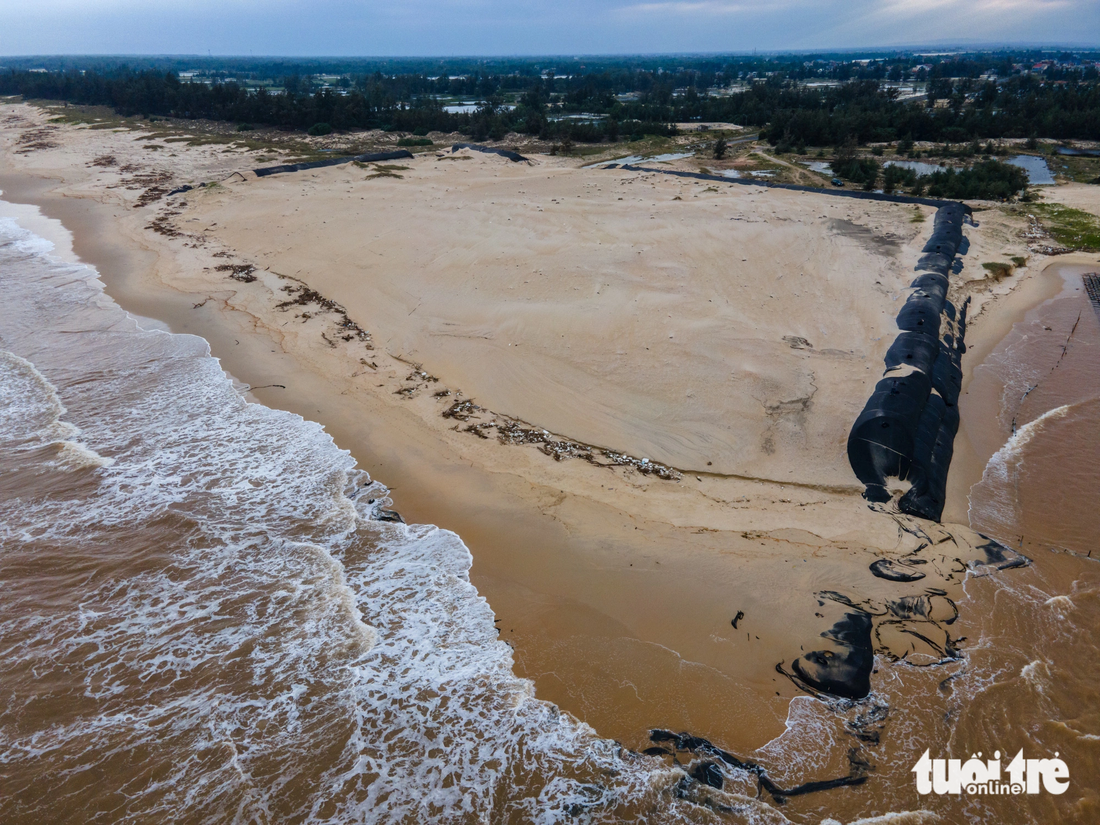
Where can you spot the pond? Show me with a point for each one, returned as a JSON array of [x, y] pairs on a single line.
[[917, 166], [584, 117], [1038, 173], [469, 108], [735, 173]]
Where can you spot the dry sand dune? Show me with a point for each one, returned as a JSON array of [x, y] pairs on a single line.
[[735, 330]]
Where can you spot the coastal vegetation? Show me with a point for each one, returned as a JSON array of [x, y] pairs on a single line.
[[987, 180], [1072, 228], [864, 113], [796, 100]]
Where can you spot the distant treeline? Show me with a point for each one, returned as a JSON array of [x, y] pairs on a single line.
[[952, 111], [616, 101], [463, 75]]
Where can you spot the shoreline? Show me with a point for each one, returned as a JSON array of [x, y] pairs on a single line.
[[979, 401], [626, 582], [451, 495]]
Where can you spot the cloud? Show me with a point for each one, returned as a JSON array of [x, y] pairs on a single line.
[[448, 27], [703, 8], [932, 21]]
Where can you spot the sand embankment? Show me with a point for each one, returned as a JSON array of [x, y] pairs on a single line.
[[730, 333]]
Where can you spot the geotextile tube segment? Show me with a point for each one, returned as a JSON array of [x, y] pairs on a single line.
[[318, 164], [907, 428], [515, 157], [792, 187]]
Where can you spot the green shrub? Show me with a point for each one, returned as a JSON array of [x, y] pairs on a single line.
[[895, 177], [988, 180], [319, 129], [244, 127], [857, 170], [415, 141]]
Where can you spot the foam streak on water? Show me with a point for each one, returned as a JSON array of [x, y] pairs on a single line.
[[1038, 489], [203, 622]]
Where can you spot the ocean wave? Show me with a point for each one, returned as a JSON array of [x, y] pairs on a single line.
[[994, 501]]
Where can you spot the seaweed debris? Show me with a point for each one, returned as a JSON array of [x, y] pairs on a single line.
[[512, 432], [461, 410], [238, 272], [33, 139], [303, 296]]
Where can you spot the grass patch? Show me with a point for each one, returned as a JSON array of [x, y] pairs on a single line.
[[1072, 228], [1019, 260], [383, 170], [917, 217], [997, 270], [1078, 168]]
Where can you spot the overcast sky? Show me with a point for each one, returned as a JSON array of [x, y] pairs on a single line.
[[509, 27]]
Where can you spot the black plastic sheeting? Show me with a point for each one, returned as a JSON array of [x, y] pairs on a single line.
[[515, 157], [846, 670], [709, 773], [907, 428], [185, 188], [318, 164], [796, 187]]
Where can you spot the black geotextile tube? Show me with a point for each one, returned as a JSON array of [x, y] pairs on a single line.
[[318, 164], [934, 262], [515, 157], [881, 443], [796, 187], [931, 283], [907, 428], [913, 350], [925, 498], [921, 313]]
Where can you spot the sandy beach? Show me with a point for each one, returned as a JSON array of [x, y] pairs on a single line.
[[628, 394]]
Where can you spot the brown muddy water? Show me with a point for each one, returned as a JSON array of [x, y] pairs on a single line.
[[205, 620]]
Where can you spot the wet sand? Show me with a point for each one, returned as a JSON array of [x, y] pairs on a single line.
[[615, 588]]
